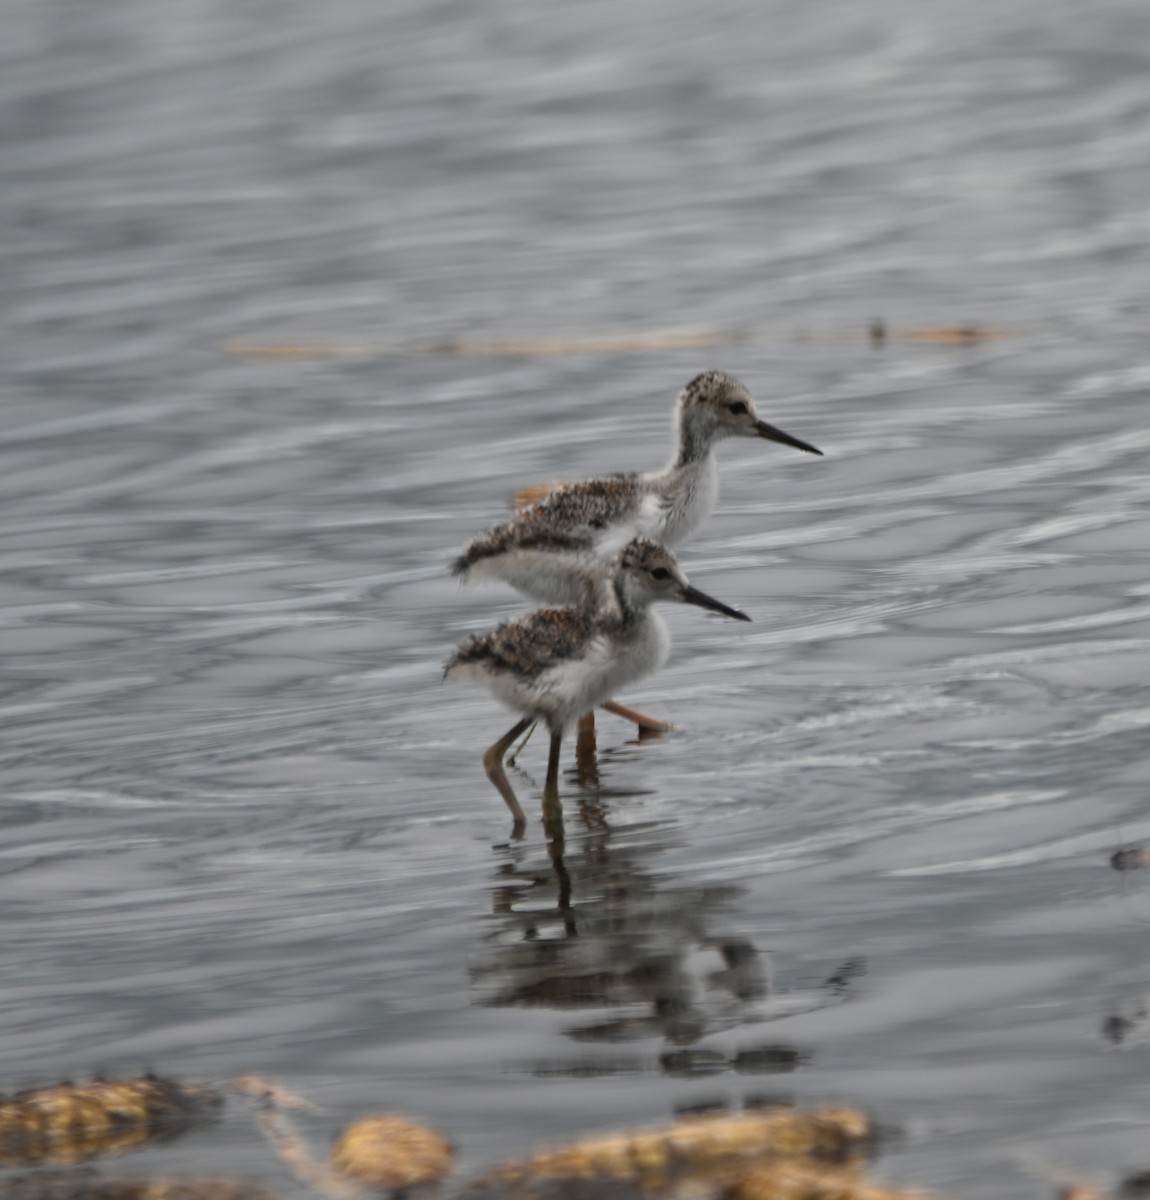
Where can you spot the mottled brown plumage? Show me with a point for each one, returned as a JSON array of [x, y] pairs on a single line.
[[531, 644], [588, 504]]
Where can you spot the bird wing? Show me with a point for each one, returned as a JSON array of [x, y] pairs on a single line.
[[598, 516], [592, 506], [532, 644], [521, 533]]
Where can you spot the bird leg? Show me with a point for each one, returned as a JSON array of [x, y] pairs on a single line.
[[586, 764], [510, 760], [552, 809], [493, 765], [646, 724]]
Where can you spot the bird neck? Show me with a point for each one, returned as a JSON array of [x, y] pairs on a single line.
[[693, 462], [696, 438], [688, 491], [628, 609]]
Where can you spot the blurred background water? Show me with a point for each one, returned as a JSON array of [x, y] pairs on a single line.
[[246, 827]]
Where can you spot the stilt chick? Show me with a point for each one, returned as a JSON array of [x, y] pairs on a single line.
[[545, 549], [559, 663]]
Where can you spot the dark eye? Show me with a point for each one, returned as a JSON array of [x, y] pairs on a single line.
[[660, 573], [738, 407]]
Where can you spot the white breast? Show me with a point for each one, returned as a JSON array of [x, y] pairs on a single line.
[[687, 501], [606, 668], [644, 657], [652, 517]]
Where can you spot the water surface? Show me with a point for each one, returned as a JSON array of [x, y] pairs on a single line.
[[246, 826]]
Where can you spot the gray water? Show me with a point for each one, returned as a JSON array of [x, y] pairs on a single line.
[[245, 824]]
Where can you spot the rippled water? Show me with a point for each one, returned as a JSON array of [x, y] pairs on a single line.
[[246, 826]]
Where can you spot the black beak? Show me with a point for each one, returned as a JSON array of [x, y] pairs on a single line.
[[772, 434], [692, 595]]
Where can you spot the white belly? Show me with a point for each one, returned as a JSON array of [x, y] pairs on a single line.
[[549, 578], [575, 688]]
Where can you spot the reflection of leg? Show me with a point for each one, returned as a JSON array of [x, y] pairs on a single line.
[[646, 724], [493, 765], [555, 848], [586, 765], [552, 809], [519, 749]]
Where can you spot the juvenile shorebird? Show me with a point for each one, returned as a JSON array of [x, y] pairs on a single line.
[[559, 663], [558, 549]]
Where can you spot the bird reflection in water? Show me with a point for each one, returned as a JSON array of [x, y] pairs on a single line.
[[594, 926]]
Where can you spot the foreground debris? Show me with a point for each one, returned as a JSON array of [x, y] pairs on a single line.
[[389, 1153], [773, 1153], [72, 1123], [83, 1185], [777, 1153], [382, 1152], [697, 1145], [793, 1180]]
